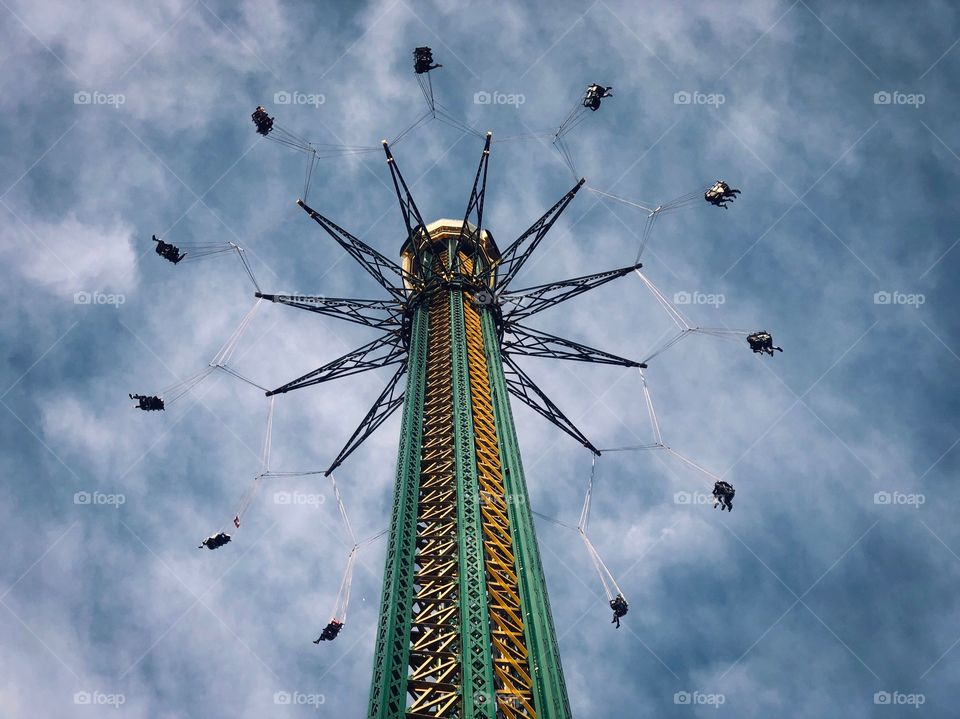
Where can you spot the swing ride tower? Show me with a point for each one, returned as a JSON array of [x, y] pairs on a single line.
[[465, 627]]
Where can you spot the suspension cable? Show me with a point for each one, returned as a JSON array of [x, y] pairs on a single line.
[[674, 313], [654, 422], [553, 521], [254, 487], [241, 253], [693, 464], [175, 391], [232, 372], [343, 511], [585, 512], [342, 602], [566, 155], [171, 393], [606, 577], [226, 351]]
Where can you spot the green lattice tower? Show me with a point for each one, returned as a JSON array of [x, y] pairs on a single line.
[[465, 628]]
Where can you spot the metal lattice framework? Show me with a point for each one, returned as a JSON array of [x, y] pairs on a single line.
[[465, 628]]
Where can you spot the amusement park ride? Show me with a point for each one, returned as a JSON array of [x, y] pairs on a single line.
[[465, 628]]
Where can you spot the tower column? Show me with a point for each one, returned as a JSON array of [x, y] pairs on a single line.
[[388, 687], [549, 687], [465, 629]]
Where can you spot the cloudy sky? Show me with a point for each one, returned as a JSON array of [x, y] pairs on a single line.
[[829, 589]]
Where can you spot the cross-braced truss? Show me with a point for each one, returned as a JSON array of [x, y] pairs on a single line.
[[529, 301], [509, 306], [379, 314], [381, 352]]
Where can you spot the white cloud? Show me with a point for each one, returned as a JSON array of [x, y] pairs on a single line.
[[69, 255]]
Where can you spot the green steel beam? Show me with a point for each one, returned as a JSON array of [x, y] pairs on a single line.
[[478, 698], [388, 689], [544, 656]]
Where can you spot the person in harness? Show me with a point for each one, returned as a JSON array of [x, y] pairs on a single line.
[[619, 606], [762, 343], [168, 251], [215, 541], [423, 60], [720, 194], [723, 495], [330, 631], [146, 402], [596, 93], [262, 120]]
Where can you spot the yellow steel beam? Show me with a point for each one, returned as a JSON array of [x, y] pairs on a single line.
[[511, 668]]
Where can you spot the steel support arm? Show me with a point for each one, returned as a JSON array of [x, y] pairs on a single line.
[[378, 266], [474, 211], [520, 340], [381, 314], [385, 405], [517, 254], [412, 219], [523, 388], [383, 351], [531, 300]]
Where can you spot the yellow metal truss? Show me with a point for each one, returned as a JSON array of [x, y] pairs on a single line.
[[510, 663], [434, 680]]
